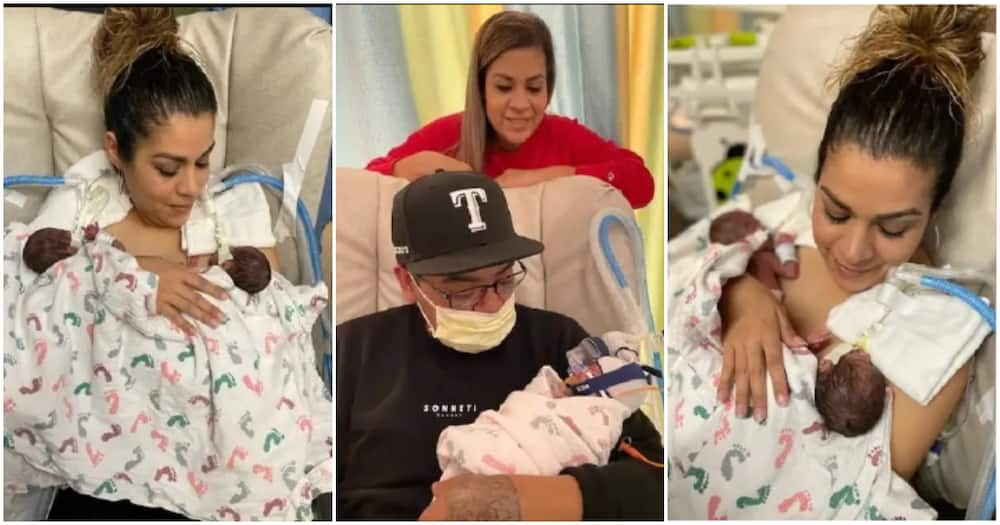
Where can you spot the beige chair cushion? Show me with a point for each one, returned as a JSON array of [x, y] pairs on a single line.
[[792, 105], [266, 64], [565, 278]]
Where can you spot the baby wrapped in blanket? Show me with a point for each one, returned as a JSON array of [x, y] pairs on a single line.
[[545, 428], [105, 396], [791, 466]]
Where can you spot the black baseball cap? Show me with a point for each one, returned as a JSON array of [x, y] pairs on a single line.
[[455, 222]]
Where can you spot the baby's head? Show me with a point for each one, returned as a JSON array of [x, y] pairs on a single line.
[[850, 395], [249, 269], [609, 366]]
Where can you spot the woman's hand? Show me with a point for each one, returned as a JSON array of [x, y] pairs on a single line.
[[512, 178], [754, 327], [179, 294], [426, 163], [474, 497]]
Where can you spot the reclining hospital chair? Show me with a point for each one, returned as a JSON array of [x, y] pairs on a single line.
[[791, 105], [567, 277], [267, 66]]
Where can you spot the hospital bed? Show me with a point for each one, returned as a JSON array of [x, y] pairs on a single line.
[[579, 219], [52, 118], [791, 105]]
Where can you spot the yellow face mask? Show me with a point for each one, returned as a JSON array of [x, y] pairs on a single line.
[[467, 331]]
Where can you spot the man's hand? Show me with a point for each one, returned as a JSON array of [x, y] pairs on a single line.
[[473, 497]]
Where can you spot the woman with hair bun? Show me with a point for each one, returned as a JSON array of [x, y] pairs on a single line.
[[892, 143], [159, 114]]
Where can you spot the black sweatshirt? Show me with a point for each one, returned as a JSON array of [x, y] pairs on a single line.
[[398, 388]]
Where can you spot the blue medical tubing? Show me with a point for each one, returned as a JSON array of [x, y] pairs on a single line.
[[640, 263], [771, 162], [241, 177], [228, 182], [778, 166], [989, 314], [630, 225], [965, 295], [32, 180]]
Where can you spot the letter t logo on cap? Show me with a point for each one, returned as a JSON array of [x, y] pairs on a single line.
[[472, 196]]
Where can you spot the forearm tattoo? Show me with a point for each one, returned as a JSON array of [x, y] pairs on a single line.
[[484, 498]]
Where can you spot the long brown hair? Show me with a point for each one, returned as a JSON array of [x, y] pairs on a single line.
[[144, 74], [904, 90], [500, 33]]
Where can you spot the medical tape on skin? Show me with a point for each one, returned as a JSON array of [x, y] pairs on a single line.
[[221, 235], [293, 172], [87, 207], [784, 248]]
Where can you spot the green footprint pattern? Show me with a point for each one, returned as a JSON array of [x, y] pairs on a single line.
[[743, 502], [872, 514], [700, 478], [701, 412], [845, 496]]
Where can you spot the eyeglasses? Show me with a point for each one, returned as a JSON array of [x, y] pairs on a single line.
[[468, 298]]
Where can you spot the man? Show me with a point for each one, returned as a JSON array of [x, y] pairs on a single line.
[[405, 374]]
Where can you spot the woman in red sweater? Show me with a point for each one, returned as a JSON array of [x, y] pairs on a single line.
[[505, 132]]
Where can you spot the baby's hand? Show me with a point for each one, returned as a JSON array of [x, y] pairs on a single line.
[[46, 247], [249, 269]]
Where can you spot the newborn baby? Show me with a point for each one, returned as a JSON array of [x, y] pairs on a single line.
[[248, 268], [774, 259], [549, 426], [850, 391]]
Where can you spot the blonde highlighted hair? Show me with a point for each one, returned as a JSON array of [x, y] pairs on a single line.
[[500, 33], [904, 90], [144, 73]]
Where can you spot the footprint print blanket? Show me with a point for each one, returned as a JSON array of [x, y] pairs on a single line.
[[721, 466], [104, 396], [537, 431]]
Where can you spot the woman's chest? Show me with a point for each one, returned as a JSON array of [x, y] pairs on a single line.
[[809, 298], [540, 151], [142, 240]]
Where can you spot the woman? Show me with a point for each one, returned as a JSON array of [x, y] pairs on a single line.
[[504, 131], [888, 155], [159, 113]]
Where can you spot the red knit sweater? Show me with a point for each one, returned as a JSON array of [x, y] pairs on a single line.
[[558, 141]]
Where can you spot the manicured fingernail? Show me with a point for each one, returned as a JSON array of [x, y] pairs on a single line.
[[741, 412], [758, 415], [783, 400], [798, 341]]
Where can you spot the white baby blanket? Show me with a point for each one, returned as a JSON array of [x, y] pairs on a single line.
[[537, 431]]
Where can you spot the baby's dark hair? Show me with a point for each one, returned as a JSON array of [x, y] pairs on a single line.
[[249, 269], [143, 74], [851, 396], [904, 91]]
